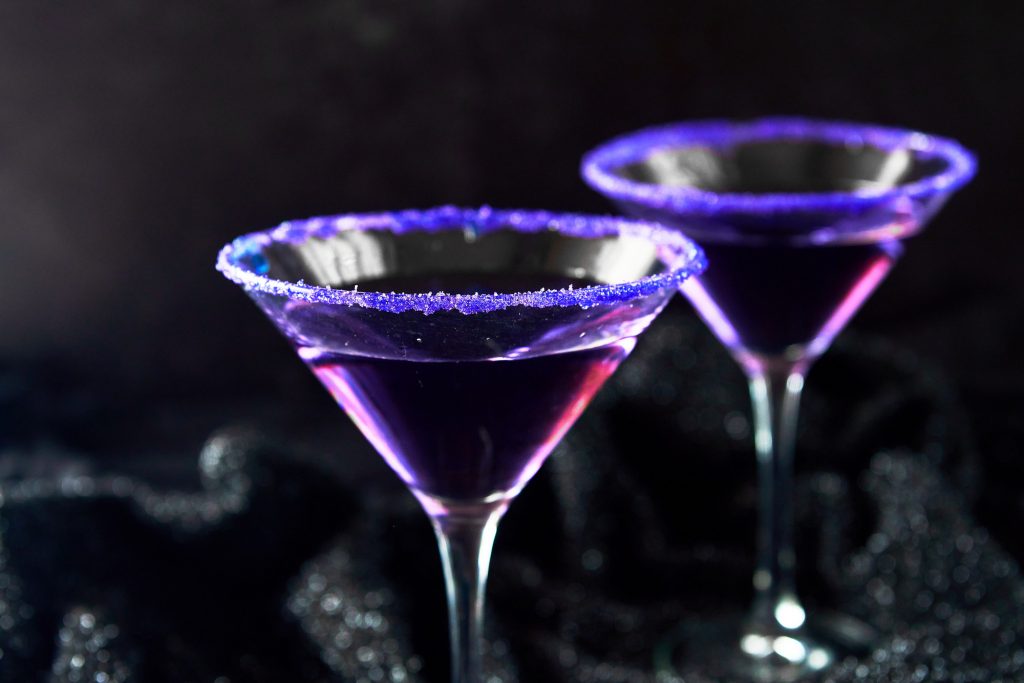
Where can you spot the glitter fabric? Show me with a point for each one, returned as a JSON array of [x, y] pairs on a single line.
[[600, 167], [86, 650], [682, 257], [287, 561]]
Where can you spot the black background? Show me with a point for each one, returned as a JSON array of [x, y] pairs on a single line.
[[137, 137]]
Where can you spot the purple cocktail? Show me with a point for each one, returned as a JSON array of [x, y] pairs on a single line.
[[801, 220], [463, 344], [805, 294], [456, 430]]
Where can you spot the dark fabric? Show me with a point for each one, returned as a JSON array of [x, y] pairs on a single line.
[[301, 559]]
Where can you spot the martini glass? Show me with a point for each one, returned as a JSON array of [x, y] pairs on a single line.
[[802, 220], [463, 343]]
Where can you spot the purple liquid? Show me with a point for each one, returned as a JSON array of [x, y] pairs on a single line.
[[777, 298], [467, 429]]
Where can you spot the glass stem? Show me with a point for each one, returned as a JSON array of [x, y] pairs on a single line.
[[775, 392], [465, 542]]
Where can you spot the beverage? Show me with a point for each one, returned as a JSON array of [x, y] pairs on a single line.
[[779, 298], [467, 429]]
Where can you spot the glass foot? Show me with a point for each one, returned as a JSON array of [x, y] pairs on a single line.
[[728, 650]]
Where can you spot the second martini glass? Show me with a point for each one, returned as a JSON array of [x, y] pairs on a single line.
[[463, 343], [801, 220]]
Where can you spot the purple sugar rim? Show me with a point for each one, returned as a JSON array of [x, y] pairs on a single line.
[[680, 254], [599, 166]]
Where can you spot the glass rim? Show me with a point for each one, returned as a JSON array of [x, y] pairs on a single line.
[[599, 166], [684, 258]]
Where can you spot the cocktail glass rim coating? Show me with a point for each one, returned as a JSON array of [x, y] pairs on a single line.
[[465, 537], [599, 166], [777, 628], [690, 258]]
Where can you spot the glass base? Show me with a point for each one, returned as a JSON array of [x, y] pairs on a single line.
[[728, 650]]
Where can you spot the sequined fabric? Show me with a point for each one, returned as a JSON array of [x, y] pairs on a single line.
[[273, 567]]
